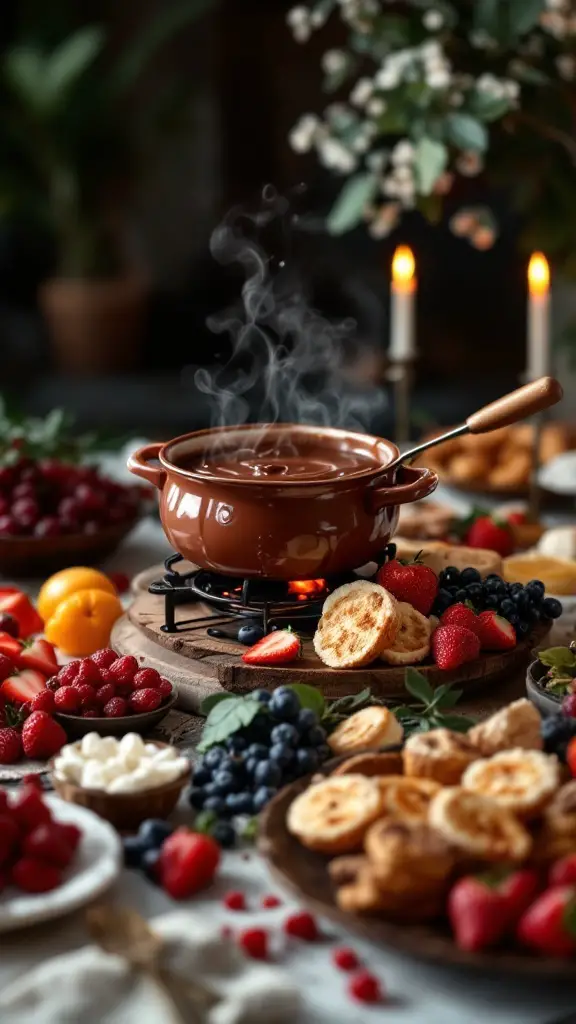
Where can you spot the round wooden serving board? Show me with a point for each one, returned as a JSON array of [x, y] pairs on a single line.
[[218, 663], [305, 875]]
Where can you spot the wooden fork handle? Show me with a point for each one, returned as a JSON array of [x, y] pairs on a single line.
[[525, 401]]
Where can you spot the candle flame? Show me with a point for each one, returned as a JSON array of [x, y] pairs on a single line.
[[538, 274], [403, 265]]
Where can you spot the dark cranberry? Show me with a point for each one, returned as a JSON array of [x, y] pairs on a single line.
[[49, 526], [6, 477], [23, 490], [54, 471], [89, 499], [68, 509], [4, 506], [86, 474], [8, 527], [91, 528], [69, 524], [26, 512], [29, 475], [8, 624]]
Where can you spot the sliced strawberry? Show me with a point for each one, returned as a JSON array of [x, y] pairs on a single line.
[[19, 605], [40, 655], [276, 648], [11, 647], [495, 632], [23, 686]]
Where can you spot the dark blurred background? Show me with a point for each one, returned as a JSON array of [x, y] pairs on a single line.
[[184, 111]]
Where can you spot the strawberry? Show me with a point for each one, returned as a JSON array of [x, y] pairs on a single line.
[[32, 875], [29, 809], [43, 701], [21, 608], [11, 647], [563, 872], [146, 678], [104, 657], [9, 837], [42, 736], [23, 686], [67, 700], [301, 926], [10, 746], [145, 700], [49, 843], [72, 834], [412, 582], [7, 667], [365, 987], [549, 925], [124, 669], [518, 888], [453, 646], [516, 518], [187, 863], [115, 708], [460, 615], [86, 694], [477, 914], [495, 632], [486, 532], [38, 654], [277, 648], [254, 943]]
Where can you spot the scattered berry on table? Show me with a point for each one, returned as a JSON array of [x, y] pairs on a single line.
[[224, 834], [188, 862], [345, 958], [149, 863], [271, 901], [254, 943], [234, 900], [154, 831], [277, 648], [302, 925], [250, 634], [365, 988]]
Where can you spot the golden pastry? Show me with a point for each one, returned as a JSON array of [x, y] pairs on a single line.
[[412, 642], [478, 827], [512, 473], [369, 729], [469, 468], [522, 781], [440, 754], [408, 858], [516, 725], [556, 834], [439, 556], [358, 621], [357, 891], [407, 798], [371, 764], [332, 816]]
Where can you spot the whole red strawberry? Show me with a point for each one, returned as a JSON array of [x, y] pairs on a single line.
[[453, 646], [460, 615], [486, 532], [412, 582], [495, 632], [104, 657], [42, 736], [115, 708], [549, 925], [188, 862], [10, 746], [33, 875], [124, 669]]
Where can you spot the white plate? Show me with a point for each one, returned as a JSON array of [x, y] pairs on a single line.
[[95, 867]]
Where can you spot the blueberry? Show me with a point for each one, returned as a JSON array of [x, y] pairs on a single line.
[[236, 745], [521, 599], [492, 601], [507, 608], [285, 733], [323, 752], [213, 757], [223, 833], [469, 575], [250, 635], [268, 773], [306, 760], [196, 798], [211, 790], [451, 575], [475, 592], [443, 599], [132, 851], [284, 705], [532, 615], [461, 595], [523, 627], [515, 588], [316, 736], [202, 776], [551, 608], [536, 589], [262, 696], [453, 591], [149, 864], [494, 585], [239, 803], [263, 796], [281, 753], [557, 731], [154, 831], [514, 620], [224, 782], [257, 751], [216, 804], [306, 719], [250, 765]]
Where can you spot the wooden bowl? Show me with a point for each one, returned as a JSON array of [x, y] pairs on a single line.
[[125, 811], [41, 556], [76, 727]]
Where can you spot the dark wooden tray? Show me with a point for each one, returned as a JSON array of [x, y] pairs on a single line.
[[305, 875]]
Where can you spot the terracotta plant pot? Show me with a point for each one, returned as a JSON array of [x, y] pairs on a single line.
[[95, 326], [286, 502]]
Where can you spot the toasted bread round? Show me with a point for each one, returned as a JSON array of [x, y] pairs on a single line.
[[407, 798], [478, 827], [440, 754], [372, 764], [332, 816], [408, 858], [369, 729], [412, 643], [358, 621], [522, 781]]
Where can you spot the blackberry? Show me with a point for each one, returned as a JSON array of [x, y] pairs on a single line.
[[551, 608]]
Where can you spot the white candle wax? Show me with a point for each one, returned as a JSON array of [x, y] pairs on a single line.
[[402, 307], [538, 352]]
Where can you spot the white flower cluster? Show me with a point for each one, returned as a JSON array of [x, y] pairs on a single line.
[[498, 88], [427, 63]]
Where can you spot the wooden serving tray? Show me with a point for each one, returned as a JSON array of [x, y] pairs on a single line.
[[304, 873]]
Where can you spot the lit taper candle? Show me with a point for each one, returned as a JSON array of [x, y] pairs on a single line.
[[402, 306], [538, 354]]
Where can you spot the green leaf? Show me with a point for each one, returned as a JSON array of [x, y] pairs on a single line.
[[250, 830], [458, 723], [25, 70], [524, 15], [467, 132], [70, 60], [430, 161], [403, 712], [205, 821], [489, 108], [532, 76], [211, 701], [348, 210], [418, 686], [309, 697], [352, 702], [487, 16], [226, 718], [558, 658]]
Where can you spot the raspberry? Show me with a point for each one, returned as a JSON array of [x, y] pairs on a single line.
[[123, 691], [145, 700], [270, 901], [115, 708], [104, 657], [345, 958], [124, 669], [146, 678], [85, 694], [88, 673], [43, 701], [68, 673], [301, 926], [234, 900], [105, 693], [105, 677], [225, 931], [54, 683], [165, 688], [254, 943], [67, 699], [364, 987]]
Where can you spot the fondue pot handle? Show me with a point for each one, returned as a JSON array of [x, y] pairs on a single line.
[[419, 484], [138, 463]]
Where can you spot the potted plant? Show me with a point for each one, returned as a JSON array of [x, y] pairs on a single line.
[[70, 156]]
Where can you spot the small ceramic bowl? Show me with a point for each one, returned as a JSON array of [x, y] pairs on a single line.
[[125, 811], [76, 727], [41, 556], [547, 703]]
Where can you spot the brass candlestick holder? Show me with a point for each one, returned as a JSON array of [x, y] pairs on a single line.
[[401, 376]]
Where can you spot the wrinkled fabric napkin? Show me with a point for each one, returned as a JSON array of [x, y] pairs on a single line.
[[89, 986]]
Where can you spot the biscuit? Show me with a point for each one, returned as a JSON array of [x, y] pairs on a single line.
[[440, 754]]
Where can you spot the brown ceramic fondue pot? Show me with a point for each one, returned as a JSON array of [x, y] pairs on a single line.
[[291, 502]]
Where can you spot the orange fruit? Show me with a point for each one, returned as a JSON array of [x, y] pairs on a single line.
[[82, 622], [69, 581]]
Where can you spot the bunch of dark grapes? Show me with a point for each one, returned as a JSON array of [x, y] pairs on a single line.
[[283, 742], [523, 606]]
